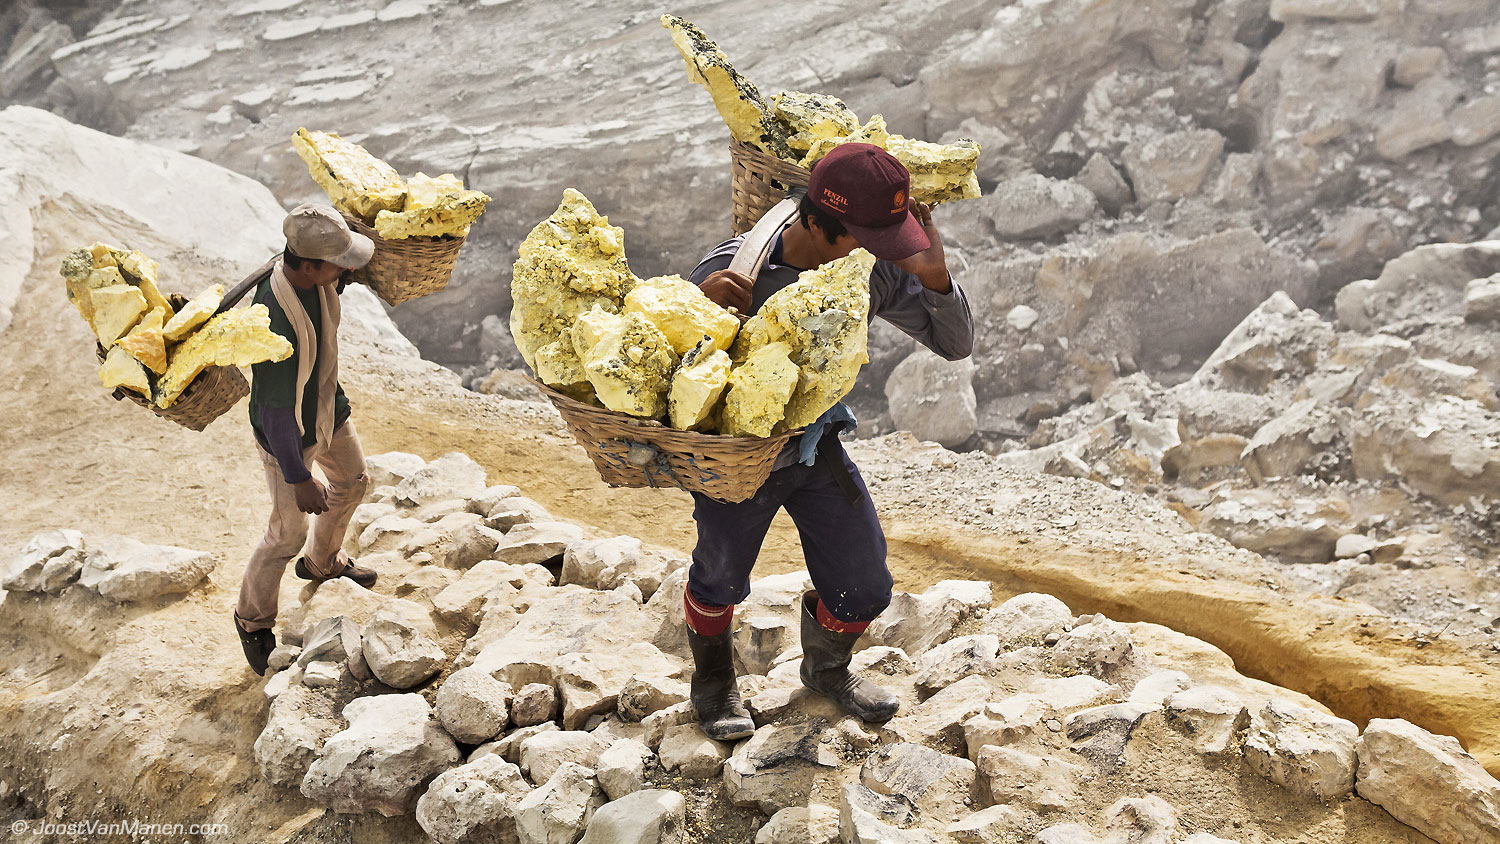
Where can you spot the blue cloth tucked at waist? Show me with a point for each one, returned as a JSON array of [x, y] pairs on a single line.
[[837, 419]]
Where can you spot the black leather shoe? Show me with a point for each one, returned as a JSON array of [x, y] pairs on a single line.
[[715, 694], [258, 645], [359, 574], [825, 669]]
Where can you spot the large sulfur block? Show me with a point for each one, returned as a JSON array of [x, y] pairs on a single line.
[[697, 386], [809, 117], [116, 309], [121, 370], [630, 365], [238, 337], [682, 312], [145, 342], [193, 314], [358, 183], [435, 207], [758, 392], [745, 111]]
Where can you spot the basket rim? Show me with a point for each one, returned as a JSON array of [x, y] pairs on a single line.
[[652, 424]]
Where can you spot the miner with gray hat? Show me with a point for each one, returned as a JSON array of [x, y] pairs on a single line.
[[300, 417]]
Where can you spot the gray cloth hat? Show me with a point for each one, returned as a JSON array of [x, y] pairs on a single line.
[[319, 232]]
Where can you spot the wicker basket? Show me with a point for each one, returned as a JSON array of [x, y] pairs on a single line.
[[212, 393], [405, 269], [758, 181], [632, 452]]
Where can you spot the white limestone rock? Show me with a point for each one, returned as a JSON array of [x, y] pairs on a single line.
[[1302, 750], [954, 660], [392, 467], [1169, 167], [915, 623], [811, 824], [939, 785], [1213, 716], [473, 802], [534, 704], [383, 760], [773, 769], [656, 816], [621, 768], [1093, 648], [536, 542], [473, 706], [544, 753], [299, 722], [559, 811], [687, 750], [940, 718], [1428, 782], [1026, 619], [127, 570], [454, 475], [1037, 783], [934, 398], [399, 653], [49, 562]]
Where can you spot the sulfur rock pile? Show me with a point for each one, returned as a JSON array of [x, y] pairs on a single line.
[[364, 187], [801, 128], [659, 348], [151, 348]]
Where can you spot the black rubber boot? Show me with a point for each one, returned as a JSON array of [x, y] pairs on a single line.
[[715, 694], [825, 668], [257, 645]]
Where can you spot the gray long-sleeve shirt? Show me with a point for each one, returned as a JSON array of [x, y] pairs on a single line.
[[939, 321]]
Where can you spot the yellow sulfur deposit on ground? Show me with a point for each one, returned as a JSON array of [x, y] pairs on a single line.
[[697, 386], [570, 263], [682, 312], [145, 342], [193, 314], [746, 113], [801, 128], [237, 337], [435, 207], [758, 392], [116, 309], [122, 370], [112, 290], [358, 183], [823, 318]]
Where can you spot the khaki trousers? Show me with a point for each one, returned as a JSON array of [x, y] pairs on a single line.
[[343, 466]]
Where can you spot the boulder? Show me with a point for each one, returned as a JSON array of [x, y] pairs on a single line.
[[392, 467], [1293, 443], [453, 475], [656, 816], [811, 824], [1275, 341], [1212, 716], [1482, 300], [472, 705], [1446, 448], [642, 696], [509, 747], [1302, 531], [866, 817], [516, 510], [1302, 750], [339, 596], [774, 768], [1428, 782], [688, 751], [1101, 733], [591, 683], [1037, 783], [1030, 205], [954, 660], [1026, 620], [334, 641], [536, 542], [383, 761], [1169, 167], [621, 768], [399, 654], [608, 563], [467, 543], [544, 753], [1140, 820], [934, 398], [915, 623], [299, 722], [995, 824], [940, 718], [49, 562], [534, 704], [125, 570], [473, 802], [939, 785], [1093, 648], [1105, 182], [462, 601], [1005, 722], [559, 811]]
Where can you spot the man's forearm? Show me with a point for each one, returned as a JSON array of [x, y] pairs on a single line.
[[284, 441]]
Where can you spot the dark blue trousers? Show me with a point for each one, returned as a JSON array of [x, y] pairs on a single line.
[[842, 542]]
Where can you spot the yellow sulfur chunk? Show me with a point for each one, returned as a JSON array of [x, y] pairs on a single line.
[[696, 387], [121, 370], [753, 335], [358, 183], [82, 279], [682, 312], [238, 337], [569, 264], [145, 343], [758, 392], [116, 309], [939, 172], [630, 365], [813, 116], [746, 113], [193, 314], [873, 132], [437, 207], [823, 318], [103, 255], [558, 367], [141, 272]]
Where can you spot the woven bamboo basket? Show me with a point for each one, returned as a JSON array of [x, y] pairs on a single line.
[[758, 181], [212, 393], [633, 452], [405, 269]]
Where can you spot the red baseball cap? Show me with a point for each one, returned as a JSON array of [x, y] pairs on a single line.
[[866, 188]]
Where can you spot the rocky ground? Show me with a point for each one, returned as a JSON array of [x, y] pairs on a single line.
[[518, 592]]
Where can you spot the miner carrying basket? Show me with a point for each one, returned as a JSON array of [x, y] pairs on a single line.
[[858, 196]]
